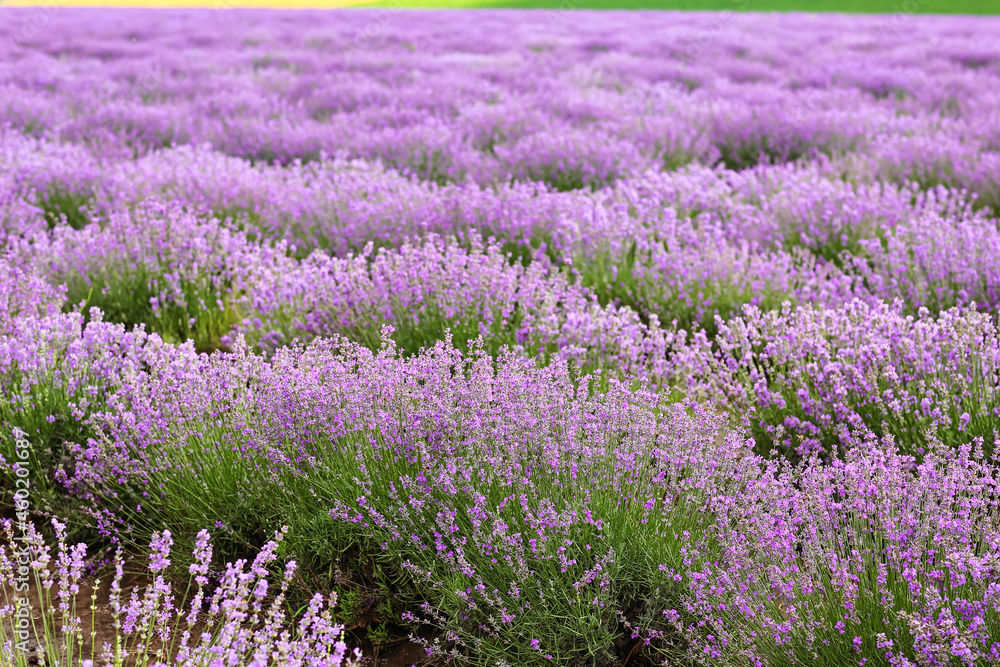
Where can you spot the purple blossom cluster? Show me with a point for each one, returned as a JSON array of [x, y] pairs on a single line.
[[688, 340], [436, 287], [812, 375], [25, 294]]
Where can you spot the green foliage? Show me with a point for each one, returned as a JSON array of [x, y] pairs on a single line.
[[62, 207], [914, 433], [41, 405], [127, 294], [430, 164], [691, 302]]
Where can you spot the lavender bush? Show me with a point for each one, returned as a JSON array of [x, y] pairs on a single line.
[[811, 375]]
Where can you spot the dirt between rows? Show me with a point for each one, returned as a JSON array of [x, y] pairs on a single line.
[[401, 653], [103, 622]]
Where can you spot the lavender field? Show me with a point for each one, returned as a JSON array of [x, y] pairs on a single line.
[[520, 338]]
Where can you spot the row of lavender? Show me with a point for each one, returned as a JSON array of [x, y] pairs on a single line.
[[530, 520], [567, 233], [571, 99], [630, 279]]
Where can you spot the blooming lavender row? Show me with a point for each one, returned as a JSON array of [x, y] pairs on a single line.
[[510, 493], [187, 276], [657, 244], [566, 102], [425, 291]]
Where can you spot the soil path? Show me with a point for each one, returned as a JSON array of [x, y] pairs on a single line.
[[401, 654]]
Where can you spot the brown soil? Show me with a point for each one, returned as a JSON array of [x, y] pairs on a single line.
[[401, 653], [103, 622]]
